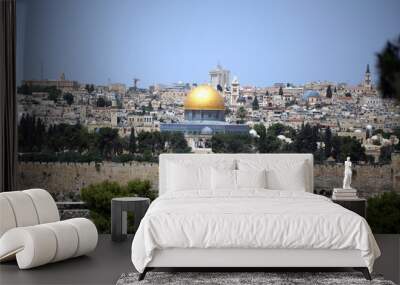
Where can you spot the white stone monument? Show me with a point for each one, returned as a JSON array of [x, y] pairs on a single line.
[[347, 174], [346, 192]]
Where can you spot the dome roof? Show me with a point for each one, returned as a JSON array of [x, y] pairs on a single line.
[[310, 93], [206, 131], [204, 97]]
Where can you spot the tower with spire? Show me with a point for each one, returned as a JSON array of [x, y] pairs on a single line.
[[367, 79]]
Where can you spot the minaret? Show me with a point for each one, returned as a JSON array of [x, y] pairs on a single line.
[[234, 91], [367, 78]]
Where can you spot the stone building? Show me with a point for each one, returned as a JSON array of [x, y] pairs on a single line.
[[219, 76]]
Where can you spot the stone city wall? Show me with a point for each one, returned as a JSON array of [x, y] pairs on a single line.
[[369, 180], [65, 180]]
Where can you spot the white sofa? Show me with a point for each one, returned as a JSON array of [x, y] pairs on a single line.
[[31, 230]]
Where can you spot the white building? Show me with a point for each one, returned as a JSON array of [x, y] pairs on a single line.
[[371, 101], [219, 76]]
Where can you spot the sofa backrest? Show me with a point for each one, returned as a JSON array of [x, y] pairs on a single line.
[[26, 208], [212, 159]]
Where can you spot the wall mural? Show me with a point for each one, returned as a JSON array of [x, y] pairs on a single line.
[[99, 104]]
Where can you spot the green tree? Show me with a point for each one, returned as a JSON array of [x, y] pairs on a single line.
[[149, 107], [177, 143], [231, 143], [386, 154], [389, 70], [383, 213], [280, 129], [151, 141], [261, 130], [98, 199], [276, 129], [306, 139], [101, 102], [89, 88], [268, 141], [69, 98], [271, 144], [54, 93], [342, 147], [241, 113], [328, 142], [255, 104], [23, 135], [108, 142], [280, 91], [132, 141], [31, 134], [39, 137], [329, 92], [24, 89], [263, 144]]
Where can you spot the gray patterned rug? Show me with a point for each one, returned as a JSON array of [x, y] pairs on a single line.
[[236, 278]]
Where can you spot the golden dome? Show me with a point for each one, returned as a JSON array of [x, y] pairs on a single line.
[[204, 97]]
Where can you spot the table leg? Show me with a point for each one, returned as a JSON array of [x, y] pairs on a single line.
[[116, 221], [124, 218]]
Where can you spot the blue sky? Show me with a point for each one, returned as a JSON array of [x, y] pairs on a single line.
[[161, 41]]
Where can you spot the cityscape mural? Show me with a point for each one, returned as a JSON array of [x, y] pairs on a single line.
[[104, 89]]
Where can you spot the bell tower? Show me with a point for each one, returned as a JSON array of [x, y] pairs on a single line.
[[367, 79]]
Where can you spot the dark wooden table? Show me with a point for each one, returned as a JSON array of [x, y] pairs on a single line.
[[358, 206]]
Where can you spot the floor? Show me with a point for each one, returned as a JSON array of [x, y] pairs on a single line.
[[103, 266], [110, 260]]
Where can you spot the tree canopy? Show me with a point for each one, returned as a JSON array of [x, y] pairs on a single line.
[[75, 143], [231, 143], [383, 213], [388, 64], [101, 102], [255, 104], [241, 113], [69, 98], [329, 92], [308, 139], [280, 91], [89, 88]]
